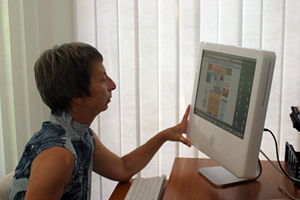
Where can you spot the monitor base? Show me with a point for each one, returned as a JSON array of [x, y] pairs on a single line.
[[219, 176]]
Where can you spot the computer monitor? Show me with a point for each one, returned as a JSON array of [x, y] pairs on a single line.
[[228, 109]]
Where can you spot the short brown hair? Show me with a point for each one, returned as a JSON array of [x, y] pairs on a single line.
[[64, 72]]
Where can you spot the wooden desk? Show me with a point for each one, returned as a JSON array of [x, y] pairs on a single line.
[[186, 183]]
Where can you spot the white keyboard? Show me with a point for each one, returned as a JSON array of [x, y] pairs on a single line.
[[146, 188]]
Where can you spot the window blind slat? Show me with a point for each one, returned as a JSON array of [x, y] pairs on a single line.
[[148, 72]]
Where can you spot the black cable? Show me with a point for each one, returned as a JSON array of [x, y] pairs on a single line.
[[260, 169], [276, 145]]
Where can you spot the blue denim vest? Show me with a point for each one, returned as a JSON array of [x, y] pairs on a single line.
[[61, 131]]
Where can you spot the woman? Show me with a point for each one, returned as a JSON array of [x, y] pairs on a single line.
[[58, 160]]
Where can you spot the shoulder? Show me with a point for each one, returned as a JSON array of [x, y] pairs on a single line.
[[56, 157], [49, 132], [50, 171]]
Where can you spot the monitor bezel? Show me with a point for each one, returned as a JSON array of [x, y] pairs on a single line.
[[239, 156]]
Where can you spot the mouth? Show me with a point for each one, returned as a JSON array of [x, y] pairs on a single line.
[[109, 99]]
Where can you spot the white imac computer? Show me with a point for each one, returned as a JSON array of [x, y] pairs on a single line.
[[228, 109]]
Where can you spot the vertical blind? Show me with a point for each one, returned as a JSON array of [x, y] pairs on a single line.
[[26, 29], [150, 50]]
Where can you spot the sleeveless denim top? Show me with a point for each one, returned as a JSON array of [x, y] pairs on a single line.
[[61, 131]]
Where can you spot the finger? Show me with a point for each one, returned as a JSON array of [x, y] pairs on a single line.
[[185, 141], [184, 121], [186, 115]]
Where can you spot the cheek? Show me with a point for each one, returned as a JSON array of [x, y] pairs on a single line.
[[99, 91], [102, 94]]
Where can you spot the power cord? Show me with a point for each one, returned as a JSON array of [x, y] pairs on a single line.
[[283, 189], [277, 155], [260, 171], [279, 186], [281, 170]]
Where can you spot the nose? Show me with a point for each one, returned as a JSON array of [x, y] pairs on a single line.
[[111, 85]]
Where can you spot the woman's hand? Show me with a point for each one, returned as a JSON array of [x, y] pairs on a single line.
[[175, 133]]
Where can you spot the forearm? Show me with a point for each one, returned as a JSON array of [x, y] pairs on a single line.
[[113, 167], [140, 157], [122, 169]]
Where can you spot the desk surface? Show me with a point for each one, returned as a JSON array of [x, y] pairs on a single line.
[[185, 182]]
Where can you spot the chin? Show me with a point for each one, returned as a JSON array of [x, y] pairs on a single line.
[[104, 109]]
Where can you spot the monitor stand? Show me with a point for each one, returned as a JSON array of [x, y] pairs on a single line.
[[220, 177]]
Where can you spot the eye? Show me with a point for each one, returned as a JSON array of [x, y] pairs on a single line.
[[104, 78]]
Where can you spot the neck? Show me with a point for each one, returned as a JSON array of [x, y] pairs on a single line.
[[82, 117]]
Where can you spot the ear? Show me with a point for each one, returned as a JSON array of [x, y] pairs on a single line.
[[78, 100]]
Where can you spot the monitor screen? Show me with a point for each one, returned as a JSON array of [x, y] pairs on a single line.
[[229, 104], [224, 90]]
